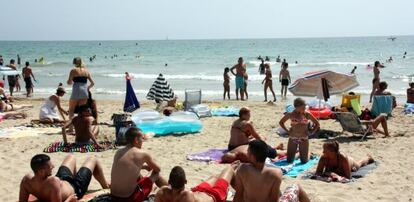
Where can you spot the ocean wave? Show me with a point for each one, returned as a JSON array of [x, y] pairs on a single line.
[[51, 63]]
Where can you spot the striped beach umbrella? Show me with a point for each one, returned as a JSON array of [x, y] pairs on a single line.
[[160, 90], [310, 83]]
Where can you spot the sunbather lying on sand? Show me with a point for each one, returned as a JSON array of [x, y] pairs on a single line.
[[12, 115], [214, 189], [337, 166], [256, 182], [7, 107], [241, 133], [67, 185]]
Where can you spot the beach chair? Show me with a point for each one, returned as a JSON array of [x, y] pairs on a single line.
[[350, 122], [192, 97], [382, 104], [346, 100]]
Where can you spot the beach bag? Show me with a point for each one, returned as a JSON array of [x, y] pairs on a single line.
[[201, 110], [119, 117]]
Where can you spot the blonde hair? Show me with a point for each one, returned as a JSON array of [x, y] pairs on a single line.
[[77, 61]]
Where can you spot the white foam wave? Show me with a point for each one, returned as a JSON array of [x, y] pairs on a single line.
[[255, 77]]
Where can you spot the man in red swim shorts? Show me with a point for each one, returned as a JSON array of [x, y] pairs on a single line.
[[213, 190], [127, 182]]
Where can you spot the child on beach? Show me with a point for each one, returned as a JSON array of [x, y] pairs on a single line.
[[27, 76], [226, 83], [268, 83], [284, 78], [410, 93], [337, 166], [299, 130]]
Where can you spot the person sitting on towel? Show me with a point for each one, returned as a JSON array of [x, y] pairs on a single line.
[[128, 184], [85, 132], [336, 165], [381, 91], [67, 185], [241, 133], [256, 182], [213, 189]]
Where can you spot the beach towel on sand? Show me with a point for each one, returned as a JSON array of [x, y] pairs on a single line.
[[91, 196], [22, 131], [362, 172], [295, 168], [225, 111], [207, 156], [73, 147]]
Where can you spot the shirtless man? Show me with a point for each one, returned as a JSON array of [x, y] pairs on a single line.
[[213, 190], [128, 184], [410, 93], [256, 182], [27, 77], [376, 80], [85, 132], [284, 79], [241, 133], [68, 185], [240, 76]]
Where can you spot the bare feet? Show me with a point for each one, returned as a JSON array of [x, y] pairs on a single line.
[[280, 146]]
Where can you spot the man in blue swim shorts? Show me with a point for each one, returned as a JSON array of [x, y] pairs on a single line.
[[240, 76]]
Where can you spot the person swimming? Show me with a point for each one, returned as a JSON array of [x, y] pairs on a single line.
[[335, 165]]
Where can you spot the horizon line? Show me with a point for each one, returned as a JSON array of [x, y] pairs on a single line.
[[202, 39]]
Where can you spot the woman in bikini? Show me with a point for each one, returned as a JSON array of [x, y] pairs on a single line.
[[7, 107], [337, 166], [299, 130], [268, 83], [79, 77]]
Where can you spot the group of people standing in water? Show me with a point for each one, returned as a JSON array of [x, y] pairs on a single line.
[[241, 78]]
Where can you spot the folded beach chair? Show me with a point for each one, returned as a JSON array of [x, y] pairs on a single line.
[[192, 97], [346, 100], [382, 104], [351, 123]]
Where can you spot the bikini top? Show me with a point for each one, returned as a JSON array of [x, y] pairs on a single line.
[[296, 121], [80, 79]]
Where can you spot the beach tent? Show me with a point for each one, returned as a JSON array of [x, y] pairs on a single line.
[[131, 102], [160, 90], [7, 71]]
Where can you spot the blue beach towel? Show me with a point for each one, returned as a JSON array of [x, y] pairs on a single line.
[[409, 108], [295, 168], [131, 102], [226, 111], [382, 104]]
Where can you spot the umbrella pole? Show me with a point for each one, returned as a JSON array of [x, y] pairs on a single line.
[[319, 111]]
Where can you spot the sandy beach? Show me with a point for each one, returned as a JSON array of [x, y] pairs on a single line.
[[391, 181]]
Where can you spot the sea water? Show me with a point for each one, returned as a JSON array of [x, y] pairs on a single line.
[[199, 64]]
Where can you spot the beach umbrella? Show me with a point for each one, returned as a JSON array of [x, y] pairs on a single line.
[[7, 71], [160, 90], [311, 84], [131, 102]]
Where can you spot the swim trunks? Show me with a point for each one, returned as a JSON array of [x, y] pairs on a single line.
[[240, 82], [218, 191], [12, 80], [285, 82], [28, 82], [144, 187], [291, 194], [80, 181]]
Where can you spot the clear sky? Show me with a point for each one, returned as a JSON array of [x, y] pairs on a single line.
[[202, 19]]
